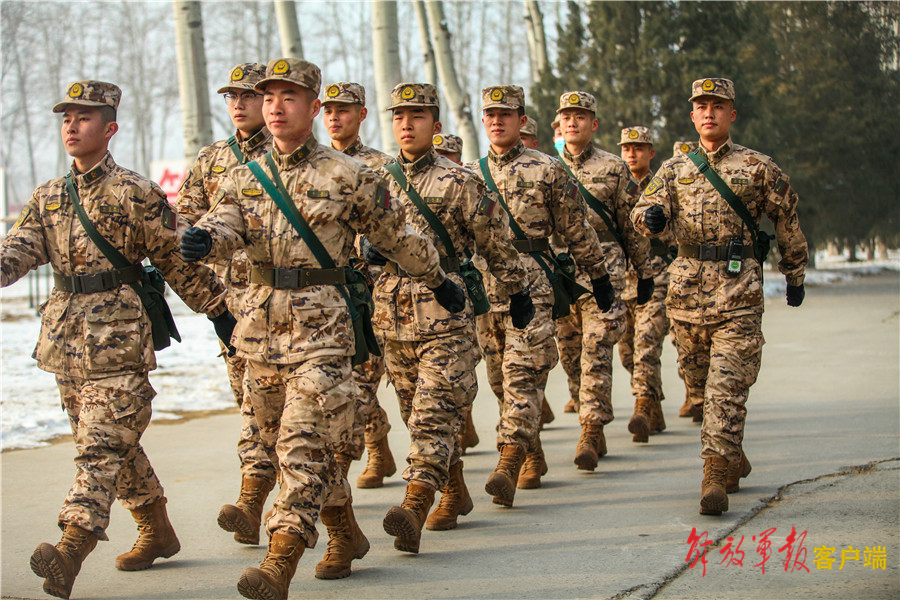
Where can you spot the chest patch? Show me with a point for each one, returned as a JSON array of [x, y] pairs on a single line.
[[601, 179], [318, 194], [53, 205], [740, 181], [110, 209], [524, 184], [217, 169], [433, 199], [253, 193], [685, 180]]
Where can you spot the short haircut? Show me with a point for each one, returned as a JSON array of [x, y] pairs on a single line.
[[436, 113], [521, 111], [107, 114]]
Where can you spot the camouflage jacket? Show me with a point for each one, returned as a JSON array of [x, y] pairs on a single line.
[[104, 333], [658, 263], [339, 197], [406, 310], [701, 291], [608, 179], [543, 200], [213, 164]]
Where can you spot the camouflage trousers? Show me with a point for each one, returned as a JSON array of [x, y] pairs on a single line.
[[692, 395], [371, 422], [254, 456], [722, 359], [640, 346], [518, 362], [436, 383], [596, 332], [305, 410], [108, 416]]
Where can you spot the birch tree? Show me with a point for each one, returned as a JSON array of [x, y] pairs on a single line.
[[288, 29], [537, 42], [192, 81], [386, 50]]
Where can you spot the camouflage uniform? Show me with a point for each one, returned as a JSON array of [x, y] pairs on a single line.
[[99, 344], [448, 144], [298, 340], [213, 164], [543, 201], [717, 317], [589, 333]]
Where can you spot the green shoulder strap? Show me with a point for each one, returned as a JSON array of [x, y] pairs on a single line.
[[397, 173], [236, 150], [599, 208], [730, 197]]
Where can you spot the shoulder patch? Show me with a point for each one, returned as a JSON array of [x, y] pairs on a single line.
[[631, 188], [321, 194], [488, 204], [571, 190], [252, 192], [168, 217], [780, 187], [22, 216], [655, 185], [217, 169], [218, 199], [601, 179], [382, 197], [685, 180], [524, 184]]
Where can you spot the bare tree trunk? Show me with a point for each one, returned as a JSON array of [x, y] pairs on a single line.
[[537, 42], [458, 99], [431, 75], [195, 111], [386, 49], [288, 29]]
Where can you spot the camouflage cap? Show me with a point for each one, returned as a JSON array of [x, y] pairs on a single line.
[[414, 94], [576, 99], [554, 123], [530, 127], [345, 92], [712, 86], [502, 96], [244, 77], [683, 147], [294, 70], [635, 135], [446, 142], [90, 93]]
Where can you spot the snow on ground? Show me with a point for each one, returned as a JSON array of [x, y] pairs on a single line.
[[191, 376]]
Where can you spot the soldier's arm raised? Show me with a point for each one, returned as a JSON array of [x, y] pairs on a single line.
[[23, 248], [490, 225], [655, 199], [637, 246], [570, 221], [224, 222]]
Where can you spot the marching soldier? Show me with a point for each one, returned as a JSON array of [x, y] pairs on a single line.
[[449, 146], [712, 200], [97, 336], [344, 110], [250, 141], [541, 200], [529, 133], [295, 325]]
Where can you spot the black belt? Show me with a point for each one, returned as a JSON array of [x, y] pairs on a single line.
[[532, 245], [606, 236], [97, 282], [448, 264], [704, 252], [294, 279]]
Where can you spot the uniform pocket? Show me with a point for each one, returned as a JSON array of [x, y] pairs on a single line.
[[684, 285], [431, 317], [50, 351], [113, 336], [742, 291]]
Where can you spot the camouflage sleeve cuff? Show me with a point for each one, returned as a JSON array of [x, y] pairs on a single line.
[[432, 279], [597, 270], [516, 287], [795, 281]]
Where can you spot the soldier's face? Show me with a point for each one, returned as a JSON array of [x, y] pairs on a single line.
[[84, 133], [502, 126], [245, 111], [289, 111], [343, 120], [530, 141], [577, 125], [638, 156], [414, 128], [713, 117]]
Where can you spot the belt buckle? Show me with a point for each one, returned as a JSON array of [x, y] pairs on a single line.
[[284, 278], [89, 283], [706, 252]]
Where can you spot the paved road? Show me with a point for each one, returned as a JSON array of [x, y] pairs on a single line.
[[827, 399]]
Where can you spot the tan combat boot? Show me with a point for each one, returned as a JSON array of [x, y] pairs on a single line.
[[156, 538], [591, 446], [501, 484], [736, 470], [455, 500], [657, 419], [468, 437], [713, 499], [243, 517], [639, 425], [547, 415], [345, 542], [405, 522], [685, 410], [697, 413], [379, 464], [571, 406], [272, 580], [60, 564], [534, 467]]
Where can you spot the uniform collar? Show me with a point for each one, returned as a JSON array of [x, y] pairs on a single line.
[[422, 163], [289, 161], [354, 148], [255, 141], [723, 151], [581, 158], [511, 154], [96, 173]]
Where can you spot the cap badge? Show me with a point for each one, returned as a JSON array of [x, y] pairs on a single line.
[[709, 85], [237, 74], [437, 140], [333, 91], [496, 94], [281, 67], [573, 98], [685, 148], [407, 93], [75, 90], [633, 134]]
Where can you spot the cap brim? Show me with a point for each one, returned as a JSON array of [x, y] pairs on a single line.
[[498, 105], [402, 104], [340, 101], [262, 83], [244, 87], [562, 108], [61, 106], [723, 96]]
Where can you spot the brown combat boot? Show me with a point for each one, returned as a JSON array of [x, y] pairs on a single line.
[[685, 410], [405, 522], [547, 415], [60, 564], [468, 437], [455, 500], [657, 419], [639, 425], [736, 470], [713, 499], [571, 406], [243, 517], [379, 464], [272, 580], [591, 446], [697, 413], [156, 538], [501, 484], [345, 542], [534, 467]]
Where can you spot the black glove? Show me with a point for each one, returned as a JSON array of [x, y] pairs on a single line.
[[450, 296], [224, 326], [195, 244], [371, 253], [521, 309], [604, 293], [795, 295], [644, 290], [655, 219]]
